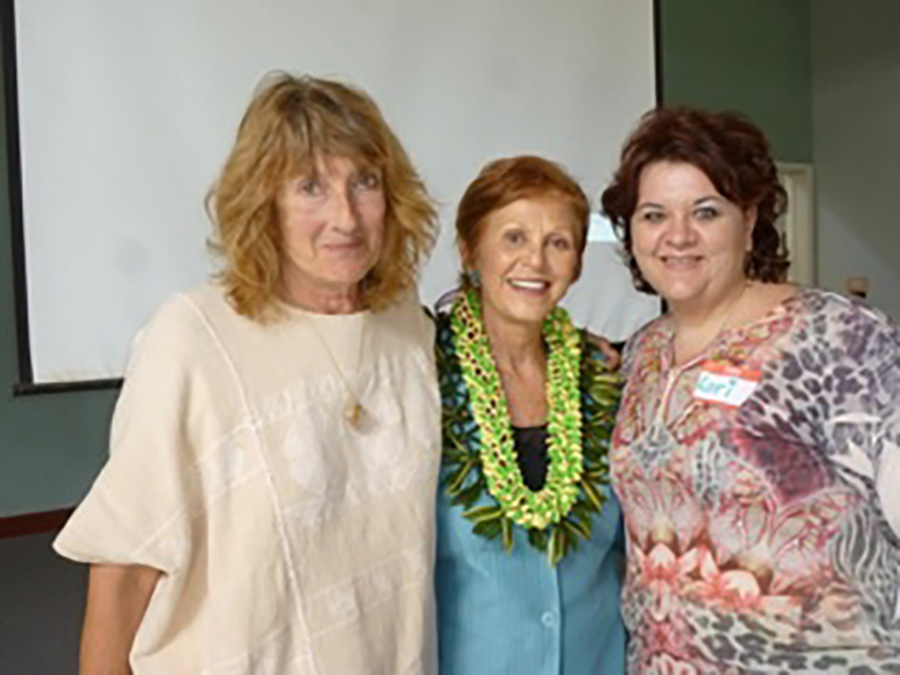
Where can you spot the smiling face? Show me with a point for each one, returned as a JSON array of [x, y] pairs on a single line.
[[332, 226], [689, 241], [527, 257]]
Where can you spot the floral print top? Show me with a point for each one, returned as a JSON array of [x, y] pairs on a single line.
[[763, 537]]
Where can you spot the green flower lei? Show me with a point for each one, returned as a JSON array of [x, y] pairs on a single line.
[[579, 429]]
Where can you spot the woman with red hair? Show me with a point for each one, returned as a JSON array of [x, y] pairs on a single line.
[[530, 541]]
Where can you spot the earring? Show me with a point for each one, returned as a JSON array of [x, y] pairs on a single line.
[[473, 278]]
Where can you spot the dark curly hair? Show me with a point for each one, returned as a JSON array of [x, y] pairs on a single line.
[[735, 156]]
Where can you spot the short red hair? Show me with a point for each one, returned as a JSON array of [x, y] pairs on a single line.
[[510, 179]]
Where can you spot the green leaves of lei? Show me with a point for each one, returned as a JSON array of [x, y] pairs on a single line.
[[558, 515]]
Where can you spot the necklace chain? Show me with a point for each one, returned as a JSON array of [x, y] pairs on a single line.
[[353, 409], [729, 313]]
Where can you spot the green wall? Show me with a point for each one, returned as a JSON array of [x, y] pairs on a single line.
[[747, 55], [856, 106], [750, 55]]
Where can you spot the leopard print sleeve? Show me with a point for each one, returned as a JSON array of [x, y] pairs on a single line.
[[862, 401]]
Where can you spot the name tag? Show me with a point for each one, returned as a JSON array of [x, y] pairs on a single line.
[[726, 385]]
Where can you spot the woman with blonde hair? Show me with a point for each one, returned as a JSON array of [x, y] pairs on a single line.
[[268, 502]]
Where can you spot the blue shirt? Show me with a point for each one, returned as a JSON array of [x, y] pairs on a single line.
[[512, 613]]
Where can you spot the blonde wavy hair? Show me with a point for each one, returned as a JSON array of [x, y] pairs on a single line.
[[292, 122]]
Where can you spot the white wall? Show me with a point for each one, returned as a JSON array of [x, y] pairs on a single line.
[[856, 144]]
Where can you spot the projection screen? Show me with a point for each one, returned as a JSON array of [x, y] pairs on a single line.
[[126, 112]]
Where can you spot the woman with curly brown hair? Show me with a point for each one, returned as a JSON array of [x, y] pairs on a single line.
[[268, 504], [757, 449]]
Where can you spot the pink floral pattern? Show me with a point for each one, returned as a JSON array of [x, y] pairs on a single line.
[[746, 539]]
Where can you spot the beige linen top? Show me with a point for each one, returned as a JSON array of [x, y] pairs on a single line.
[[289, 541]]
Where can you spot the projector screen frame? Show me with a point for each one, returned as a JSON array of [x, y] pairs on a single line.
[[25, 385]]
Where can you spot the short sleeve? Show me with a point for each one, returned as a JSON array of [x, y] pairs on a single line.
[[145, 504]]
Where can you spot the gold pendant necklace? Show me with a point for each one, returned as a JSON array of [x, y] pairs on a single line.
[[353, 413], [353, 408]]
